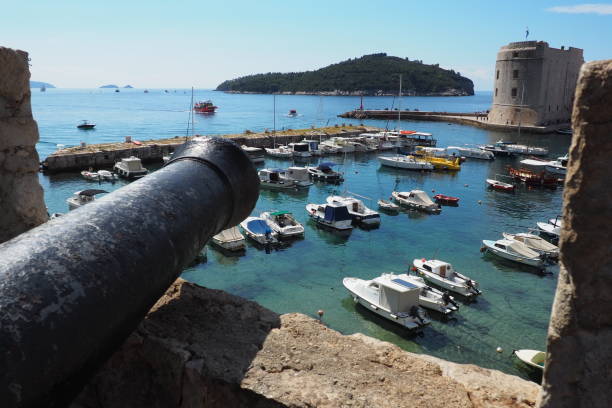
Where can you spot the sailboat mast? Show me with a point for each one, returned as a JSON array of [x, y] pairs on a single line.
[[274, 128], [399, 108], [192, 114]]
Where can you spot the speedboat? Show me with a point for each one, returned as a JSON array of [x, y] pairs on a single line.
[[258, 230], [445, 276], [130, 168], [444, 199], [299, 175], [499, 185], [470, 152], [86, 125], [273, 179], [535, 242], [230, 239], [282, 152], [533, 358], [431, 298], [357, 210], [90, 175], [416, 199], [80, 198], [255, 153], [334, 216], [552, 227], [405, 162], [292, 113], [300, 149], [390, 297], [514, 251], [324, 172], [283, 223], [388, 206], [106, 175]]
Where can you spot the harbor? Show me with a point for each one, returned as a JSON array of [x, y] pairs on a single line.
[[305, 274]]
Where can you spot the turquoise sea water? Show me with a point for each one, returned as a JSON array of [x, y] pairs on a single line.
[[513, 311]]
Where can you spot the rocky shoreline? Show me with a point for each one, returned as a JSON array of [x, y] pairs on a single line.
[[448, 92]]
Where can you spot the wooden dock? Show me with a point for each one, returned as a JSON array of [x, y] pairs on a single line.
[[105, 155]]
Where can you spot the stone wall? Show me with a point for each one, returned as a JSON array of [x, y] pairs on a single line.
[[203, 348], [579, 366], [21, 196]]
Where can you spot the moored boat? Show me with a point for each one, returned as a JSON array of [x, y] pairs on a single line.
[[283, 223], [325, 172], [470, 152], [388, 206], [390, 297], [499, 185], [229, 239], [299, 175], [258, 230], [441, 163], [130, 168], [447, 200], [535, 242], [416, 199], [431, 298], [90, 175], [443, 274], [357, 210], [405, 162], [281, 152], [80, 198], [513, 251], [533, 358], [274, 179], [255, 153], [300, 149], [334, 216]]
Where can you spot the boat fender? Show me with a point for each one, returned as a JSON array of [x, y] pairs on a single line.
[[483, 249], [413, 269], [423, 260]]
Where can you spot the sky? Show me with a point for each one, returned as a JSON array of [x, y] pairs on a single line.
[[184, 43]]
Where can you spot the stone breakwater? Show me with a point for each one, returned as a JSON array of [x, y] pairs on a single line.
[[107, 154], [199, 347]]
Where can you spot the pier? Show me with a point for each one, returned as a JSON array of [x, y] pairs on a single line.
[[478, 119], [150, 151]]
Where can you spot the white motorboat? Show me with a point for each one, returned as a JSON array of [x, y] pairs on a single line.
[[283, 223], [334, 216], [230, 239], [281, 152], [357, 144], [552, 227], [535, 242], [339, 143], [445, 276], [430, 151], [90, 175], [328, 148], [470, 152], [300, 149], [325, 172], [416, 199], [357, 210], [80, 198], [258, 230], [533, 358], [313, 147], [431, 298], [499, 185], [130, 168], [255, 153], [522, 149], [405, 162], [299, 175], [107, 175], [558, 166], [274, 179], [513, 251], [390, 297], [388, 206]]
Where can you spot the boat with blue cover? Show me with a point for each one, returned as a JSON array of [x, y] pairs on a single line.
[[390, 297], [357, 210], [259, 231], [332, 215]]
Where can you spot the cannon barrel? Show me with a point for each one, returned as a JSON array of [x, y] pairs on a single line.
[[74, 288]]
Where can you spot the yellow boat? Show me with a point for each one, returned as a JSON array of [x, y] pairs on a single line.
[[441, 163]]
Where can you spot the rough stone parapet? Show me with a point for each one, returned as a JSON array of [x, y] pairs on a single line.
[[205, 348], [579, 365], [21, 196]]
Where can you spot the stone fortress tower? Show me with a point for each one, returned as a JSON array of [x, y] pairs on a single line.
[[534, 84]]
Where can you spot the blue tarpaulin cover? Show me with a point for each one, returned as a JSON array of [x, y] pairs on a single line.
[[326, 165], [336, 213], [258, 227]]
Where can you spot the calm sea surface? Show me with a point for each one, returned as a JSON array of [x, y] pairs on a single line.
[[512, 313]]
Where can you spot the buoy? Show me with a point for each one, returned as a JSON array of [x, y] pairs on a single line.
[[499, 350], [479, 201]]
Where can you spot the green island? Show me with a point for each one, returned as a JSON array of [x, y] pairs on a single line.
[[374, 74]]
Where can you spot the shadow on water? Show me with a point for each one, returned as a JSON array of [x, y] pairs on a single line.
[[329, 235], [225, 257]]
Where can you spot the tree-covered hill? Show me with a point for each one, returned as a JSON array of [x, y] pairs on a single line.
[[375, 74]]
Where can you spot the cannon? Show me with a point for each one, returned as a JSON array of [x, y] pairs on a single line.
[[74, 288]]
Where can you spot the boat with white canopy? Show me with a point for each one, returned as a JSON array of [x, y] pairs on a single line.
[[299, 175], [229, 239], [535, 242], [390, 297], [405, 162], [416, 199], [513, 251], [281, 152], [274, 179], [445, 276]]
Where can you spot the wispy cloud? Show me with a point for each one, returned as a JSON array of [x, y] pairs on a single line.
[[596, 8]]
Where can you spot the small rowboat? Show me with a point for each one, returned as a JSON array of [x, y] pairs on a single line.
[[444, 199], [533, 358], [500, 185], [388, 206]]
